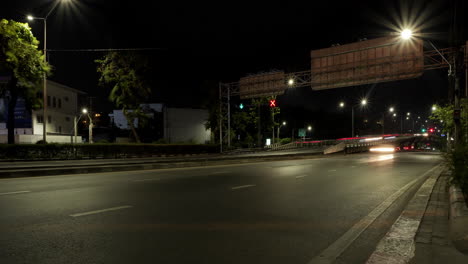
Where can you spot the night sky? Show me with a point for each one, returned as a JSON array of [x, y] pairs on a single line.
[[196, 45]]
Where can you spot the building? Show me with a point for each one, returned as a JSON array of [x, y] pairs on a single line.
[[62, 107], [174, 125]]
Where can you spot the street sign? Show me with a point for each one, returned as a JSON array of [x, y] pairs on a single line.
[[301, 132]]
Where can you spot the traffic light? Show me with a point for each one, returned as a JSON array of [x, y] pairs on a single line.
[[431, 130], [423, 130], [272, 103], [241, 106]]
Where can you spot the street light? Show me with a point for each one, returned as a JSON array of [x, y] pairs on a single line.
[[309, 128], [391, 109], [44, 92], [279, 127], [90, 128], [291, 82], [406, 34], [408, 114], [434, 108], [363, 103]]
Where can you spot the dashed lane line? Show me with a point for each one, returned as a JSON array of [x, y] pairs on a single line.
[[7, 193], [101, 211], [242, 186]]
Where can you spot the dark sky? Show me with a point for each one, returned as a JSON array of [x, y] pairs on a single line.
[[203, 43]]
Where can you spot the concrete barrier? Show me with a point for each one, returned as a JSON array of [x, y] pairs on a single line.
[[336, 148]]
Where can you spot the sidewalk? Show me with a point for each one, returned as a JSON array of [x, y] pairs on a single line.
[[432, 241]]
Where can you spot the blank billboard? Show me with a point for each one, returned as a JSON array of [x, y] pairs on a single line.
[[370, 61], [262, 85]]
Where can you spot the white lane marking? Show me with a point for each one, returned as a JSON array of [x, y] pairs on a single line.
[[218, 172], [331, 170], [301, 176], [101, 211], [330, 254], [242, 186], [398, 244], [7, 193], [142, 180]]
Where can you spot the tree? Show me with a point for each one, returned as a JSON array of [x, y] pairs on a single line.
[[20, 59], [125, 74], [445, 114]]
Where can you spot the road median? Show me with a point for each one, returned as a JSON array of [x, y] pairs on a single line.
[[34, 169]]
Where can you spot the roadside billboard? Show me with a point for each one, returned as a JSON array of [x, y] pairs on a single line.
[[377, 60], [262, 85]]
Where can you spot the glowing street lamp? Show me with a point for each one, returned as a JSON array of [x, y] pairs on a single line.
[[44, 92], [434, 108], [391, 109], [406, 33], [309, 128], [291, 82], [362, 104]]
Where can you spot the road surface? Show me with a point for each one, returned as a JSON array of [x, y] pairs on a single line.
[[291, 211]]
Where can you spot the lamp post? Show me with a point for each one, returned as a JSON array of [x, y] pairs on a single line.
[[44, 91], [90, 127], [407, 34], [278, 132], [342, 105]]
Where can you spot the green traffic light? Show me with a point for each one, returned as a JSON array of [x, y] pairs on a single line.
[[423, 130], [241, 106]]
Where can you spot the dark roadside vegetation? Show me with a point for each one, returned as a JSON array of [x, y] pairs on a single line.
[[99, 150]]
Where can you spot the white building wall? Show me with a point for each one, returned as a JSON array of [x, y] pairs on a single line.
[[61, 113], [33, 139], [186, 125]]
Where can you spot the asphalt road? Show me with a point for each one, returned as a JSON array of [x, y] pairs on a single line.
[[268, 212]]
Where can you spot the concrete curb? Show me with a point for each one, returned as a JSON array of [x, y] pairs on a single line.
[[398, 245], [147, 165], [458, 219]]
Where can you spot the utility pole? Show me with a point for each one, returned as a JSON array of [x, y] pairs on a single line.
[[220, 117], [352, 121], [259, 126], [229, 115]]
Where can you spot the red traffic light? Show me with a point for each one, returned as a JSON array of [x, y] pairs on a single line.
[[273, 103], [431, 130]]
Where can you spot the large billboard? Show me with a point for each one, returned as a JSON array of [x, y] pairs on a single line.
[[369, 61], [261, 85]]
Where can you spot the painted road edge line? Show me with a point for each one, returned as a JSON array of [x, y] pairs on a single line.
[[398, 245], [101, 211], [332, 252], [7, 193], [301, 176], [242, 186]]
